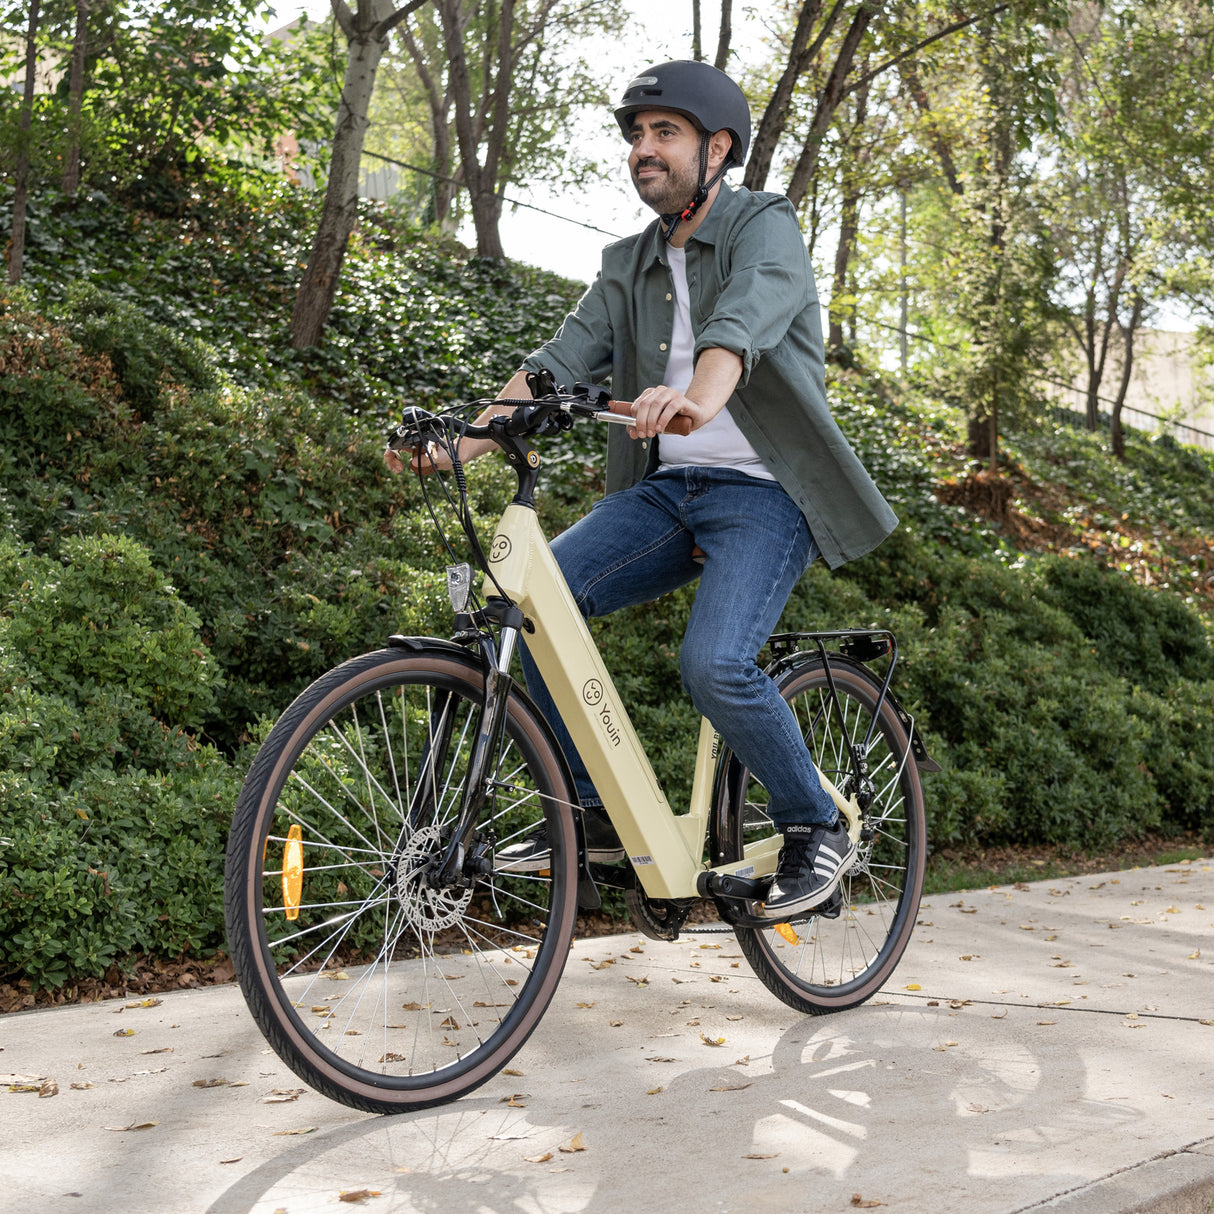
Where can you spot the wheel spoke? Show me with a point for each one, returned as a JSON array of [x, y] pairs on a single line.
[[376, 982], [823, 964]]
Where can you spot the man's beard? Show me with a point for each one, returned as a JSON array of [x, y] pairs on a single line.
[[670, 192]]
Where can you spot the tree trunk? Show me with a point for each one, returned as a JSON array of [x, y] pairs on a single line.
[[16, 252], [828, 100], [367, 34], [948, 166], [481, 180], [319, 286], [775, 116], [75, 99], [1127, 366], [697, 47], [444, 188], [849, 226], [726, 35]]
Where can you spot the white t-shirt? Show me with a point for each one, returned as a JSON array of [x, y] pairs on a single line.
[[720, 443]]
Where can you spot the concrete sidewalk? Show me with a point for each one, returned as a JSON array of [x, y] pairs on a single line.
[[1042, 1047]]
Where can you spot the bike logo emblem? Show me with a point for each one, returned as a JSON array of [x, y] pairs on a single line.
[[592, 693], [500, 548]]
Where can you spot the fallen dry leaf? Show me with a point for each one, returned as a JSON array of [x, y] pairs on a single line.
[[730, 1087], [576, 1145], [145, 1003], [210, 1083], [125, 1033], [305, 1129], [282, 1096], [713, 1041], [135, 1125], [654, 1091], [81, 1087], [544, 1158], [515, 1101], [509, 1070], [356, 1195], [49, 1088], [756, 1155], [865, 1203]]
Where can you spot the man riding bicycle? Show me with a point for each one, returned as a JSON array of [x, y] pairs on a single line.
[[711, 312]]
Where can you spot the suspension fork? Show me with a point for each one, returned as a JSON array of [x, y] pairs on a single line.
[[490, 729]]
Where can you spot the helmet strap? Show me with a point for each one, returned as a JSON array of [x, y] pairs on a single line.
[[670, 223]]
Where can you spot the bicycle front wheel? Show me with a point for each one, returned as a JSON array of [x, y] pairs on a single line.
[[379, 986], [827, 964]]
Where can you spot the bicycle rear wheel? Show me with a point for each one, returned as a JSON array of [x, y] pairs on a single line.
[[820, 964], [379, 988]]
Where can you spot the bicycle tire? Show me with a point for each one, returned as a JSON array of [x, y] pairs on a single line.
[[376, 989], [821, 965]]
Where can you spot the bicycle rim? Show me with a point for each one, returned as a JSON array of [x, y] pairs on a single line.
[[820, 964], [378, 989]]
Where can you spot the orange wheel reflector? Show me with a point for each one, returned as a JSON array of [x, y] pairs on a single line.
[[292, 872], [785, 929]]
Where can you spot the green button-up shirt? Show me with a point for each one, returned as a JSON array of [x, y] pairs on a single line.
[[752, 291]]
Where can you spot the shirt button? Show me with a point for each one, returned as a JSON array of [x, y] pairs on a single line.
[[662, 346], [669, 297]]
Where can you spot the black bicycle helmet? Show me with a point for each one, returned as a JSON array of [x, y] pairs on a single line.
[[699, 90]]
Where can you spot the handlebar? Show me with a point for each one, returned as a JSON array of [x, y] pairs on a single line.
[[527, 419], [621, 411]]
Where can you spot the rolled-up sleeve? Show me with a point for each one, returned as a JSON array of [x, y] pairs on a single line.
[[766, 283], [581, 349]]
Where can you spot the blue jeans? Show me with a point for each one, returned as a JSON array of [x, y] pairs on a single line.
[[637, 544]]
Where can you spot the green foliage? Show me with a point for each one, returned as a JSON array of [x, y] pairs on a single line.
[[1148, 638], [145, 356], [116, 863], [415, 321], [196, 522], [113, 824]]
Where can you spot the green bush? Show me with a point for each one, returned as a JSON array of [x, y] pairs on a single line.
[[1147, 637], [105, 618], [196, 522], [114, 864], [147, 358]]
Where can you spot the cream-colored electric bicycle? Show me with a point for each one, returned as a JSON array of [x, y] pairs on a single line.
[[388, 955]]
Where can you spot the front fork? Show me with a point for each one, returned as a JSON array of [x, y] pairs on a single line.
[[454, 866]]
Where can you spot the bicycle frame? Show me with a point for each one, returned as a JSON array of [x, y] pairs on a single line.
[[666, 849]]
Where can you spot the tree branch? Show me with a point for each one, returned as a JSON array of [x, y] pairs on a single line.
[[913, 50], [389, 23]]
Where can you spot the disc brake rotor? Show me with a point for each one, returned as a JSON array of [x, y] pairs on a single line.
[[427, 908]]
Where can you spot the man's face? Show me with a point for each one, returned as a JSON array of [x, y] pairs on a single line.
[[665, 159]]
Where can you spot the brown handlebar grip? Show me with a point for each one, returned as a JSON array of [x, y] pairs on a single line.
[[679, 424]]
